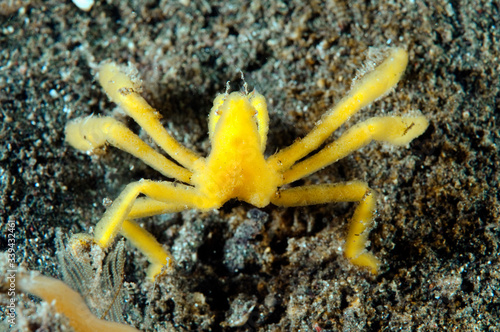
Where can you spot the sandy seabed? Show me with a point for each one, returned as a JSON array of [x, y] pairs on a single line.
[[273, 269]]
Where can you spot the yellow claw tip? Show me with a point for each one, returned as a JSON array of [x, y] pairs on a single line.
[[157, 269], [366, 260], [117, 83], [74, 137]]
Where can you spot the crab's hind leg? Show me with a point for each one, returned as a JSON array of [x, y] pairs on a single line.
[[142, 239], [123, 91], [391, 129], [360, 224], [116, 218]]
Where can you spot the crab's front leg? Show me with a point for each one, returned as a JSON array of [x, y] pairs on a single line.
[[372, 86], [117, 218], [91, 133], [124, 91], [361, 222]]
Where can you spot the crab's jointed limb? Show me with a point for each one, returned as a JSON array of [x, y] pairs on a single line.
[[390, 129], [93, 133], [123, 91], [361, 222]]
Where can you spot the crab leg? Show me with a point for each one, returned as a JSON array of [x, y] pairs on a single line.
[[122, 91], [112, 220], [372, 86], [169, 198], [147, 207], [361, 222], [157, 256], [92, 133], [142, 239], [391, 129]]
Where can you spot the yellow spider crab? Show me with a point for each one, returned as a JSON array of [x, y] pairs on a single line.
[[236, 166]]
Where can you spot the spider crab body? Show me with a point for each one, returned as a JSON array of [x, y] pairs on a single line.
[[236, 166]]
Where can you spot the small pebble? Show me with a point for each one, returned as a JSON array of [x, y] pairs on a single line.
[[84, 5]]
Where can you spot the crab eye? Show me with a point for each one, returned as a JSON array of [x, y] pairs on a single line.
[[262, 116], [215, 113]]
